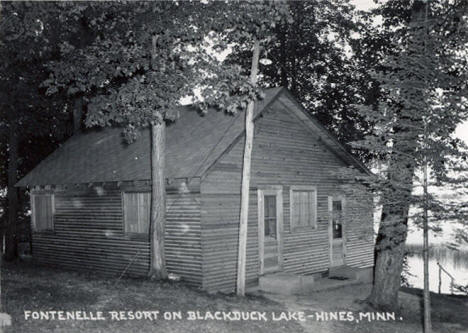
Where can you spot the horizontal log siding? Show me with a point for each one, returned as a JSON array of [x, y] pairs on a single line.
[[182, 241], [284, 153], [89, 235], [220, 216], [359, 235]]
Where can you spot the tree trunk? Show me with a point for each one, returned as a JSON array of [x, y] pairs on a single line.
[[393, 230], [158, 187], [244, 212], [391, 239], [77, 114], [284, 58], [11, 241], [158, 200], [426, 293], [388, 264]]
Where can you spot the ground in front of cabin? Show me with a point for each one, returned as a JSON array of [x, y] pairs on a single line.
[[26, 287], [449, 312]]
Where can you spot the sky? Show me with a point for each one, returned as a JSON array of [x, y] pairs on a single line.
[[415, 235], [363, 4], [462, 130]]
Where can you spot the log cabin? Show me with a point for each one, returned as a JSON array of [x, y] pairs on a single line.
[[90, 199]]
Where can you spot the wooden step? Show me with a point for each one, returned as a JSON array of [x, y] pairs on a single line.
[[285, 283], [270, 255], [271, 269]]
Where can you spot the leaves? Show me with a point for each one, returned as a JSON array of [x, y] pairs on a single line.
[[423, 89]]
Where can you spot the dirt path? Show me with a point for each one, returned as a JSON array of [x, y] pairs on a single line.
[[342, 299], [331, 300]]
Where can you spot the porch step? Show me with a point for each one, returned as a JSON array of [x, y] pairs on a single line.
[[285, 283], [350, 273], [270, 255], [292, 284], [272, 269]]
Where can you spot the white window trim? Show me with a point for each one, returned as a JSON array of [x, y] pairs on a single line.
[[33, 211], [311, 188]]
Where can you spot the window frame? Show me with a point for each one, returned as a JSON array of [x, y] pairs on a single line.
[[302, 188], [131, 234], [34, 226]]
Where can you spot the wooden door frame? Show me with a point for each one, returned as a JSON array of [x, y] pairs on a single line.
[[276, 190], [330, 227]]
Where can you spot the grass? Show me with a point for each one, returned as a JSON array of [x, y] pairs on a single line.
[[447, 310], [28, 287]]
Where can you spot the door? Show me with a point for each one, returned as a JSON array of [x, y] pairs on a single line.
[[336, 231], [270, 226]]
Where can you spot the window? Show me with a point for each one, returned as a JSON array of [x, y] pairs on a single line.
[[303, 207], [337, 214], [270, 215], [43, 210], [136, 212]]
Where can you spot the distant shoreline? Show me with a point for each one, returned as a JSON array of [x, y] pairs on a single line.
[[417, 247]]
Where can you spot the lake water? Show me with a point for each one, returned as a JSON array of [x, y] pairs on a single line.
[[455, 262]]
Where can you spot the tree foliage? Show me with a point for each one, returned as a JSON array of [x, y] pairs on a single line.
[[113, 71], [147, 56], [320, 52], [22, 52], [423, 98]]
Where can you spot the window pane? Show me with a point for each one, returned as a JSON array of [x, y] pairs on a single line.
[[43, 212], [131, 212], [48, 212], [336, 205], [37, 212], [270, 215], [337, 229], [296, 208], [312, 210], [137, 212], [303, 208], [337, 219], [144, 212]]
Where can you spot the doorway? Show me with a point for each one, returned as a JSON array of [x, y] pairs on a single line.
[[336, 231], [270, 228]]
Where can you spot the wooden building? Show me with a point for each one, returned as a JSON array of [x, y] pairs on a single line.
[[90, 199]]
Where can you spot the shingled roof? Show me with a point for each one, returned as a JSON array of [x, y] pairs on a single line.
[[193, 144]]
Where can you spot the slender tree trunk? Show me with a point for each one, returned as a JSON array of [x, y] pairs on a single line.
[[426, 292], [158, 200], [77, 114], [1, 234], [295, 45], [11, 241], [284, 58], [244, 212], [158, 187]]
